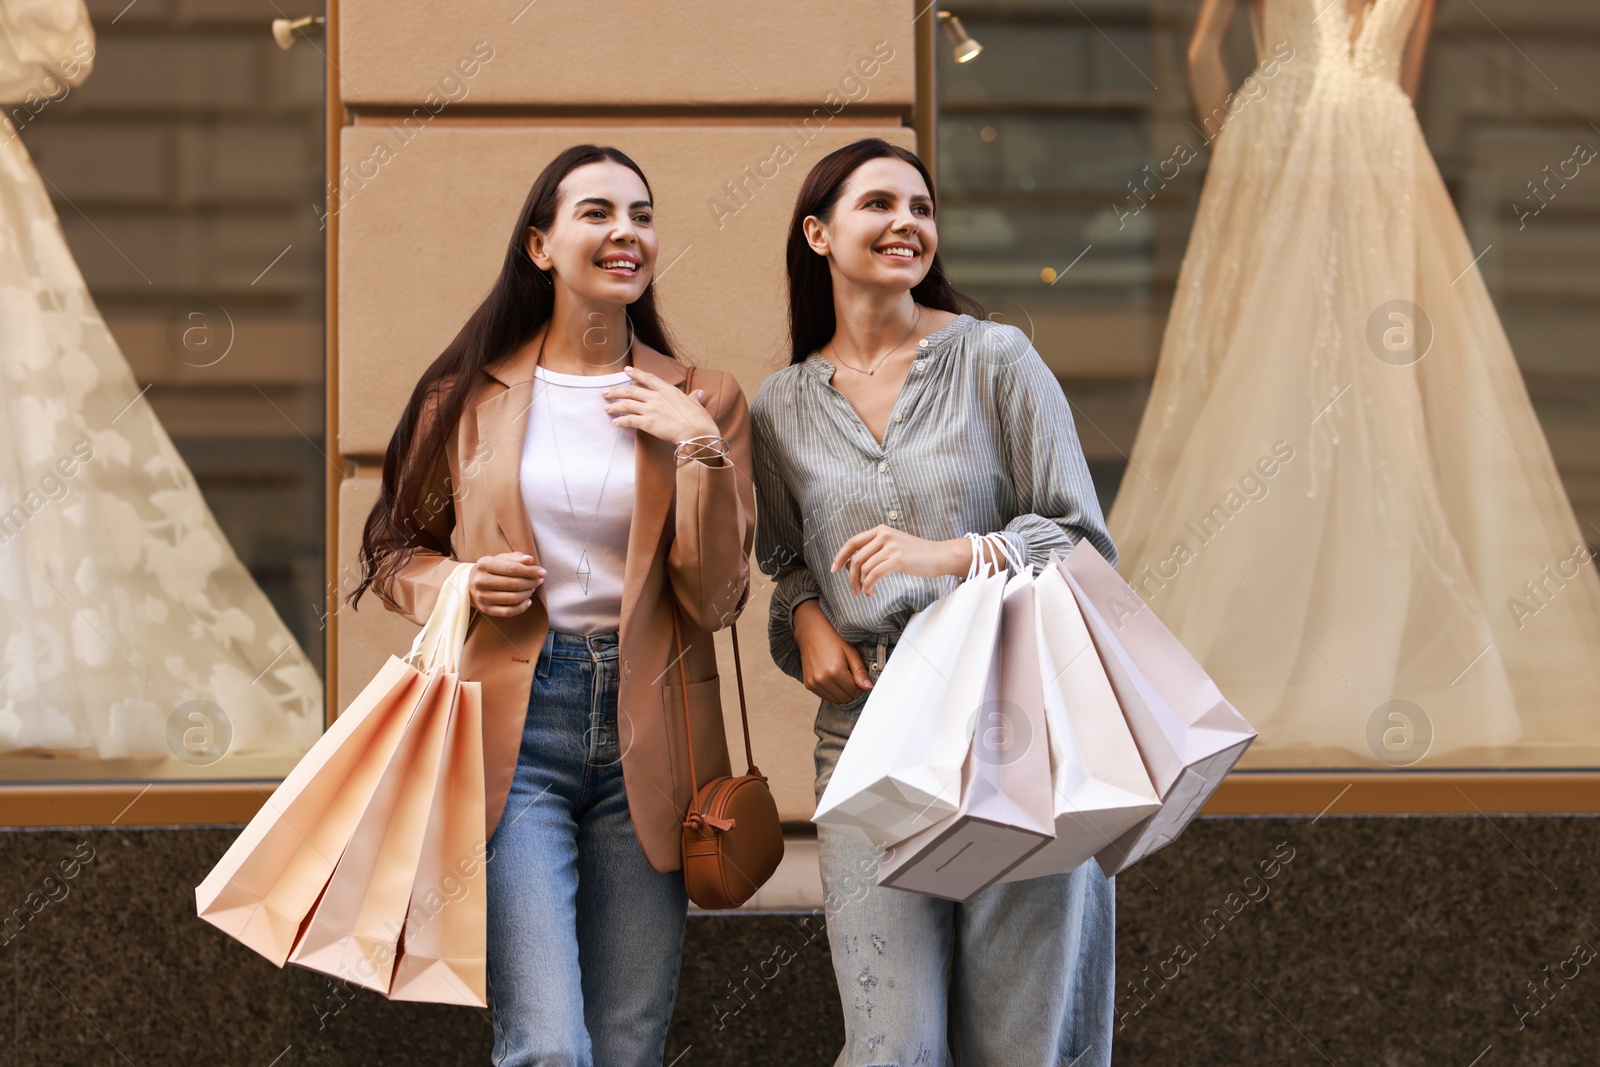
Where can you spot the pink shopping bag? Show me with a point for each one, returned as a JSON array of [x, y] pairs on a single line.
[[1188, 734]]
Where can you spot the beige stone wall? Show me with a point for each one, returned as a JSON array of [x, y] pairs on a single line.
[[429, 186], [689, 54]]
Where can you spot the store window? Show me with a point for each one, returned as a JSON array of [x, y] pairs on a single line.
[[162, 534], [1342, 410]]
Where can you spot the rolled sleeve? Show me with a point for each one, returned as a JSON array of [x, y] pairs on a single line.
[[789, 591]]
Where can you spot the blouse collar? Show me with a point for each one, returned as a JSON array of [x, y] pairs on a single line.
[[936, 343]]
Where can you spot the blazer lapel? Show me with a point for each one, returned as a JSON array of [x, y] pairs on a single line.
[[503, 427], [655, 480]]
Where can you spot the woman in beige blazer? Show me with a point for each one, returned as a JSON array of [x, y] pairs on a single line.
[[516, 441]]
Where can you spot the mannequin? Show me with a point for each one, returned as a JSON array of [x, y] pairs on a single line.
[[1209, 83], [1344, 504]]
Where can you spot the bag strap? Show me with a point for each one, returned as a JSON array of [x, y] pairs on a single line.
[[683, 692], [738, 670], [744, 716]]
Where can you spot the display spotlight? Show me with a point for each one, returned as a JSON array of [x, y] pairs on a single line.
[[965, 47], [284, 30]]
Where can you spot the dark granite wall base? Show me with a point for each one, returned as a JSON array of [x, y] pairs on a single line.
[[1380, 941]]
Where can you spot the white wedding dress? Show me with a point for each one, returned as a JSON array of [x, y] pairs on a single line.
[[1416, 544], [121, 603]]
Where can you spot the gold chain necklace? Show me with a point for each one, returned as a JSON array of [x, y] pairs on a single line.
[[834, 344]]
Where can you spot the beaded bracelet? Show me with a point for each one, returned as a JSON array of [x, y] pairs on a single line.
[[706, 446]]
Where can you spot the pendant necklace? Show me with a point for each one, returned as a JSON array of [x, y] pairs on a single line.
[[584, 570], [874, 369]]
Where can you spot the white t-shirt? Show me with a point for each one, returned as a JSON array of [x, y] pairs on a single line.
[[577, 478]]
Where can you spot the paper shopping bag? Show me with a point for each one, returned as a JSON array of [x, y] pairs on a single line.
[[1005, 813], [326, 871], [443, 947], [1101, 788], [1189, 736], [354, 930], [901, 769], [265, 885]]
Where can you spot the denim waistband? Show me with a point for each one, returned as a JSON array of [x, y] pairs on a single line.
[[876, 648], [581, 646]]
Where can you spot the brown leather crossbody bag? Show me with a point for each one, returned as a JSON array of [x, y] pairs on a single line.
[[732, 840]]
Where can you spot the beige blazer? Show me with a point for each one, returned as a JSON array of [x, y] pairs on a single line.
[[689, 543]]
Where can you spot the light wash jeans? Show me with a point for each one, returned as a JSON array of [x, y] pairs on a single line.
[[1021, 975], [585, 937]]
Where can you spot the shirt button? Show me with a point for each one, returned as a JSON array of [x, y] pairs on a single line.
[[922, 343], [883, 465], [894, 515], [918, 365], [898, 416]]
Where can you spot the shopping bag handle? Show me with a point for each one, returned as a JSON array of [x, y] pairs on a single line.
[[438, 644], [981, 563]]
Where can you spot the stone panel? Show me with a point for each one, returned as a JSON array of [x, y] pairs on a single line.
[[629, 53]]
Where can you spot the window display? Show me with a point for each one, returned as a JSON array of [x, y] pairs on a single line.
[[1340, 496], [130, 630]]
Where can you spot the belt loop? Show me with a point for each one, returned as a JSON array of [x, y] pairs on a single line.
[[541, 667]]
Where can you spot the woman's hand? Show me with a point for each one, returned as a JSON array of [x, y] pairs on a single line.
[[658, 408], [882, 550], [830, 666], [503, 585]]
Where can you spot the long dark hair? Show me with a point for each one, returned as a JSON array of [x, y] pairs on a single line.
[[811, 319], [521, 300]]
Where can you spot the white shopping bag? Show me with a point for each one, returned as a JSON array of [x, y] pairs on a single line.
[[1101, 787], [1188, 734], [900, 771], [1006, 812]]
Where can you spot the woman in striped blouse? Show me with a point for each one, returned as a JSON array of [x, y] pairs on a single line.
[[904, 422]]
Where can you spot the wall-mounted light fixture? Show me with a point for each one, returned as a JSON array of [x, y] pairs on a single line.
[[965, 47], [284, 30]]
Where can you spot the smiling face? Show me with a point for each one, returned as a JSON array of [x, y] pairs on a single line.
[[602, 245], [881, 233]]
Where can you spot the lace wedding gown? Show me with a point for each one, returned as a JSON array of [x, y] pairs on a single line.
[[120, 600], [1328, 521]]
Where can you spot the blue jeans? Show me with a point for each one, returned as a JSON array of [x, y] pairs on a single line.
[[585, 937], [1023, 974]]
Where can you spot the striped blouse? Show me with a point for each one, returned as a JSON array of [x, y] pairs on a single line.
[[980, 439]]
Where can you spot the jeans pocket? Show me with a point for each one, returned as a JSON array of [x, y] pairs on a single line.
[[855, 704]]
